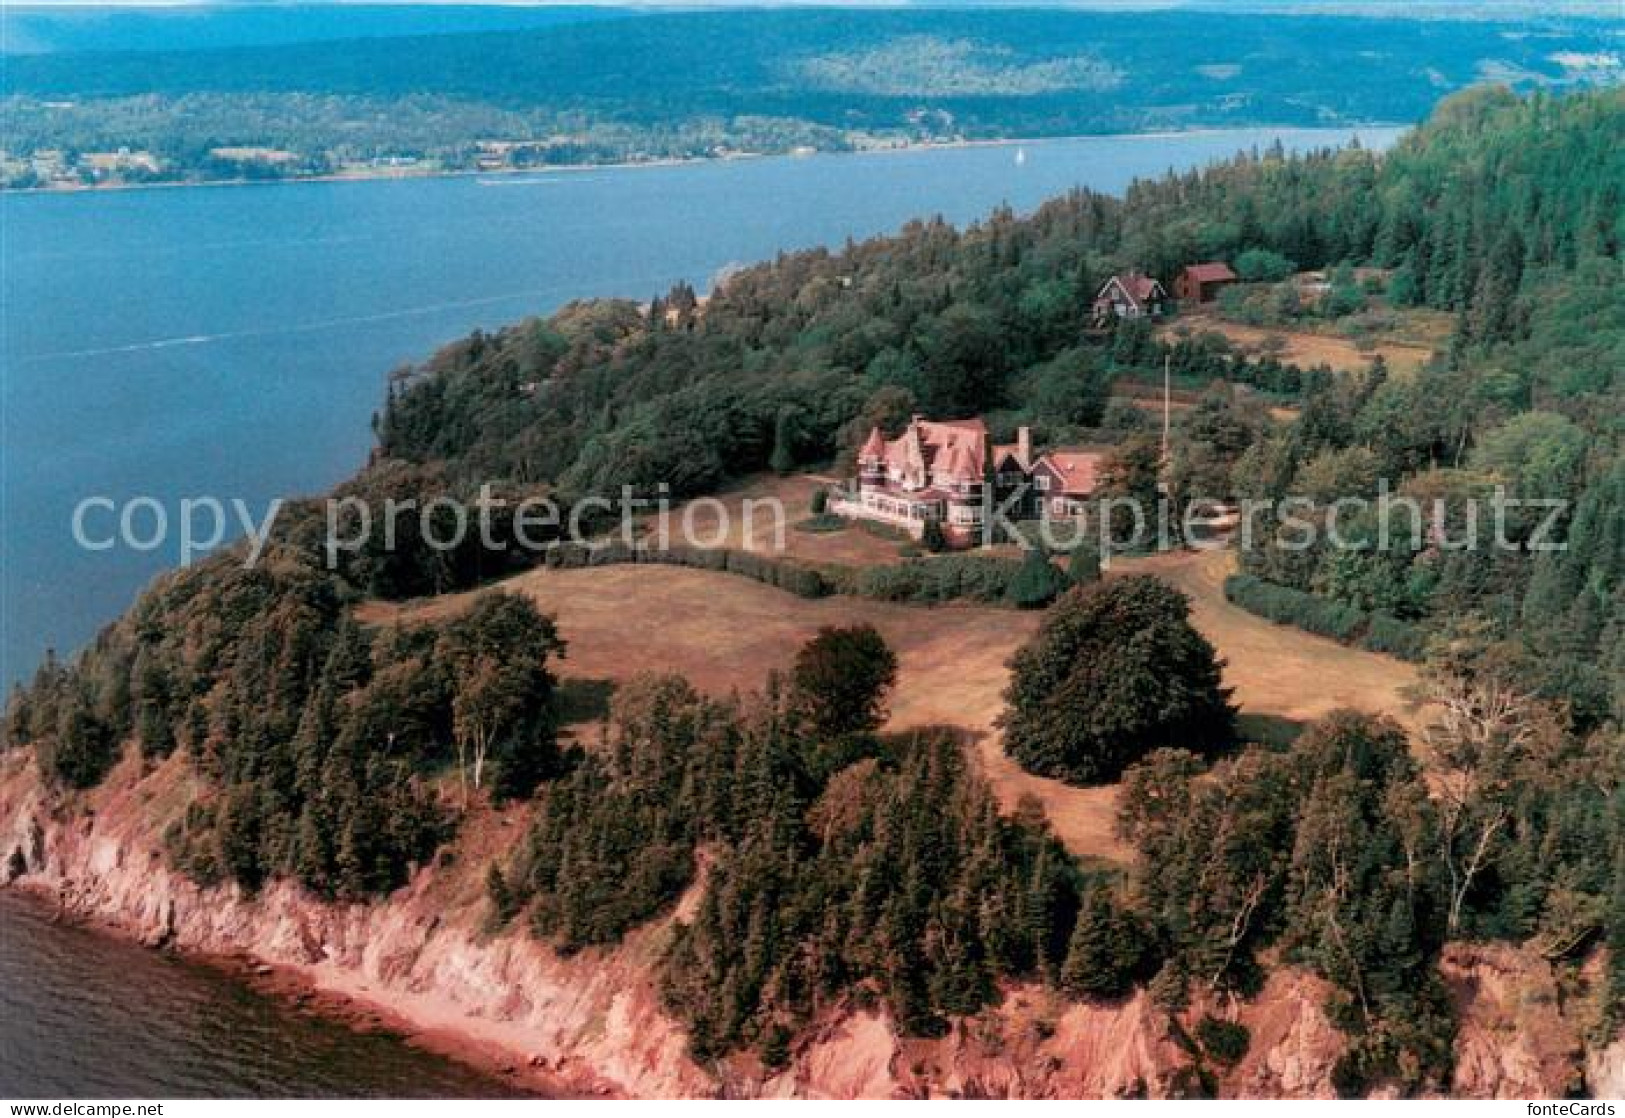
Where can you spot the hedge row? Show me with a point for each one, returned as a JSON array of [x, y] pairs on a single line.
[[1378, 632], [945, 578], [804, 582], [980, 578]]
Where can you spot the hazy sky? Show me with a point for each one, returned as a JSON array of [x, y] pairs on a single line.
[[1370, 6], [1422, 8], [602, 3]]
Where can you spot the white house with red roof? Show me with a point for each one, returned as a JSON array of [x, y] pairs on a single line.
[[934, 470], [1130, 295]]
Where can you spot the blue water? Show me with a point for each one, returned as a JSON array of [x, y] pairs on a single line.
[[232, 342], [89, 1016]]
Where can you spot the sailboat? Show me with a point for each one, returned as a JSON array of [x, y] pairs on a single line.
[[1021, 157]]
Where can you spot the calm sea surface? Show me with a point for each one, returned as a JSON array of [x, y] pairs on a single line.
[[84, 1015], [232, 343]]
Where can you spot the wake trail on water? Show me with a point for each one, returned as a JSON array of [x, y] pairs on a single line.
[[53, 257], [552, 181], [275, 331]]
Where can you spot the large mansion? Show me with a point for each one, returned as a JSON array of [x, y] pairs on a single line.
[[949, 471], [946, 471]]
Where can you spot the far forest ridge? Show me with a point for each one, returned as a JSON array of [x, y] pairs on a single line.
[[841, 860]]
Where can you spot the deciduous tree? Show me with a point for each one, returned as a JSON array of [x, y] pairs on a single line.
[[1115, 671]]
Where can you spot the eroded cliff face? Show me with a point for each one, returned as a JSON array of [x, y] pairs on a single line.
[[593, 1023], [1039, 1045], [586, 1024]]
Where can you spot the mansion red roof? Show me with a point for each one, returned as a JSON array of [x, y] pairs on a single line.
[[1010, 450], [951, 450]]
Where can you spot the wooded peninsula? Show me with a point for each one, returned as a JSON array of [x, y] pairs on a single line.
[[831, 859]]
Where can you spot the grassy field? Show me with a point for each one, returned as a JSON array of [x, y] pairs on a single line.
[[1148, 397], [722, 522], [724, 632], [1282, 676], [727, 633], [1405, 348]]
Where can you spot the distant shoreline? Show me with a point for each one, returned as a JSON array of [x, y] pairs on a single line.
[[912, 147]]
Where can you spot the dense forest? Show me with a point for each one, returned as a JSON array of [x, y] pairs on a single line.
[[845, 865], [1503, 212], [702, 84]]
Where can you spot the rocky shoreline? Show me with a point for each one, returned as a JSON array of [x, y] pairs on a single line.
[[297, 989]]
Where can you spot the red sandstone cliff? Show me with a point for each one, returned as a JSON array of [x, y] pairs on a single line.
[[593, 1023]]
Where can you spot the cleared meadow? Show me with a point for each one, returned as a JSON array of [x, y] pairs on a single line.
[[727, 633]]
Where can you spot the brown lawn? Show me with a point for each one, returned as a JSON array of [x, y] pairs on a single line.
[[743, 518], [1306, 349], [725, 632], [1148, 397], [1277, 671]]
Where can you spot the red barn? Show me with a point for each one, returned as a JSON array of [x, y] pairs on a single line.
[[1200, 283]]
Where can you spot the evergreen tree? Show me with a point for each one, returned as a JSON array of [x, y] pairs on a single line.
[[1083, 564], [80, 747], [1038, 582], [932, 536], [1107, 952], [783, 459]]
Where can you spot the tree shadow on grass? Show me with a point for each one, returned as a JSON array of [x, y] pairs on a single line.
[[579, 701], [1269, 730]]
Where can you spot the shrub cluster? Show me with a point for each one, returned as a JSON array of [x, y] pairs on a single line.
[[1326, 617], [990, 579], [947, 578], [803, 582]]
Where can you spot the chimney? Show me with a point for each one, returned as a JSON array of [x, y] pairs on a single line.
[[1024, 447]]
